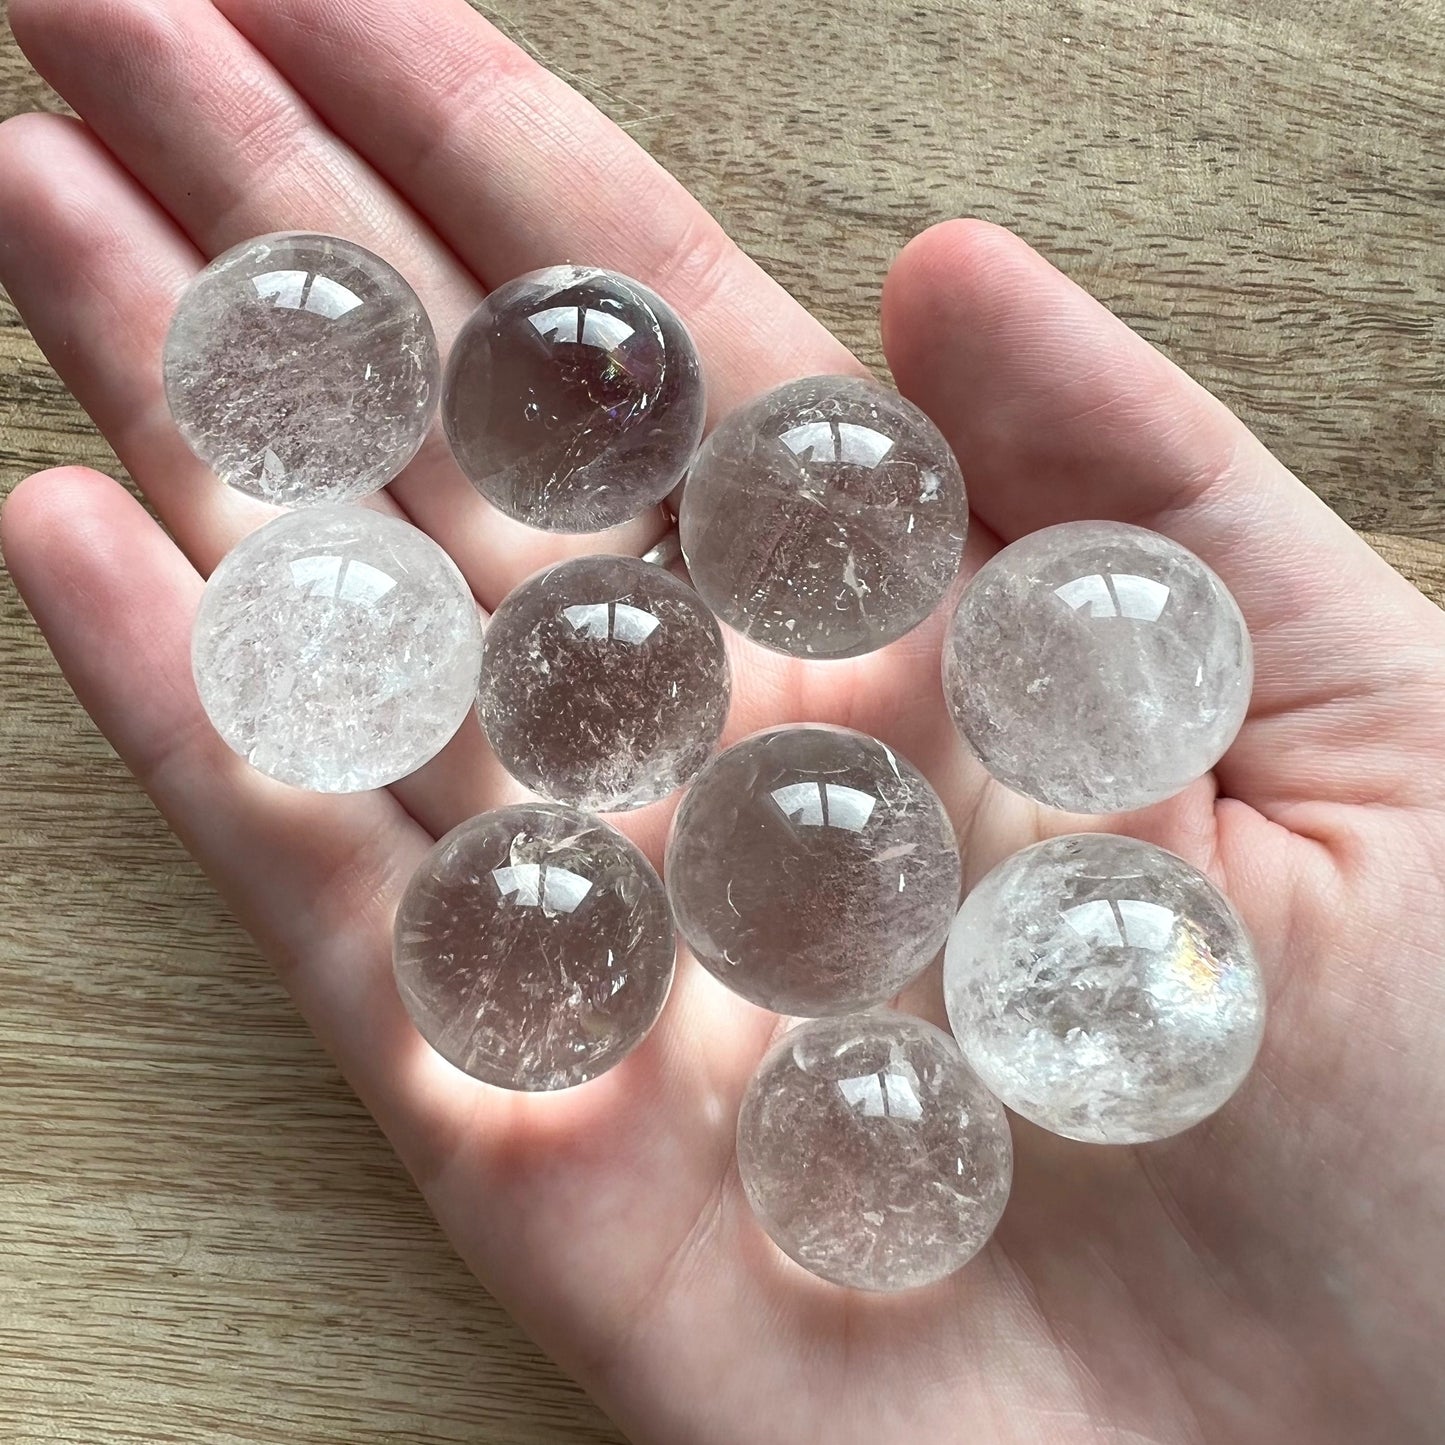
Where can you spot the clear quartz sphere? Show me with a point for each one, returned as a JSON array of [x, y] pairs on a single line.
[[533, 947], [1104, 989], [825, 518], [871, 1153], [604, 683], [574, 399], [337, 649], [813, 870], [1097, 667], [302, 369]]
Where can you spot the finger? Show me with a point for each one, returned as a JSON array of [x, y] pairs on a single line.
[[1058, 411], [94, 268], [515, 170], [313, 878], [229, 151]]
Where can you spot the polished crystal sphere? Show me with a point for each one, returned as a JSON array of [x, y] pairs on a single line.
[[1097, 667], [871, 1153], [302, 369], [1104, 989], [825, 518], [534, 947], [574, 399], [812, 870], [604, 683], [337, 649]]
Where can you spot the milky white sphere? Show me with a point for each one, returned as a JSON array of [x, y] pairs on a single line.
[[1104, 988], [336, 649]]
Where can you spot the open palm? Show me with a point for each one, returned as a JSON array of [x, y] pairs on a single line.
[[1273, 1275]]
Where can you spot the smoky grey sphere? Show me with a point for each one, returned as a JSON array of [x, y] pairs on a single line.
[[813, 870], [534, 947], [573, 399], [604, 683]]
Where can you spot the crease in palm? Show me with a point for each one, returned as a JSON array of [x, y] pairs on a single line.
[[1272, 1274]]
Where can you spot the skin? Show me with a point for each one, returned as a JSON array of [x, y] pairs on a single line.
[[1273, 1274]]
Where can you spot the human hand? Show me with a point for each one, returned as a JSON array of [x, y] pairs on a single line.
[[1272, 1275]]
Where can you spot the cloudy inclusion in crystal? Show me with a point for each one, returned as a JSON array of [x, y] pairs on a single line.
[[573, 399], [871, 1153], [813, 870], [336, 649], [1104, 989], [1097, 667], [534, 947], [302, 369], [604, 683], [825, 518]]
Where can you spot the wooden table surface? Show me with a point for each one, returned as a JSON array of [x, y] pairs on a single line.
[[200, 1226]]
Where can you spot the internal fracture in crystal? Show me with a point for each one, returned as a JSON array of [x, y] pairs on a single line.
[[534, 947], [302, 369], [1097, 667], [337, 649], [813, 870], [574, 399], [604, 683], [825, 518], [871, 1153], [1104, 988]]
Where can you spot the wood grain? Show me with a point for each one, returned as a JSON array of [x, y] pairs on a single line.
[[207, 1240]]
